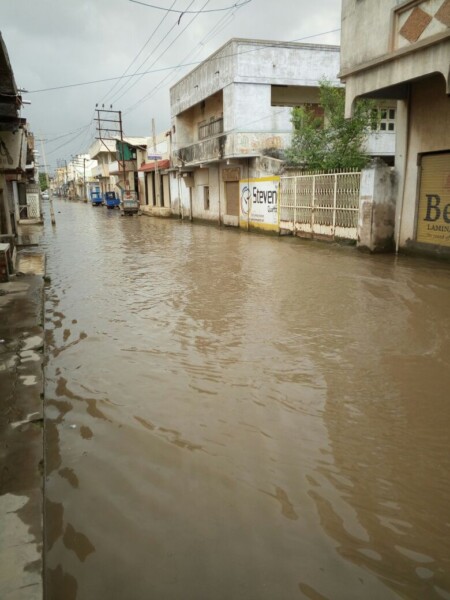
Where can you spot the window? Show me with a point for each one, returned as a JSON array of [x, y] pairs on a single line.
[[206, 197], [383, 119]]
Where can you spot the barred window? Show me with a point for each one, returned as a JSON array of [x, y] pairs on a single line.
[[383, 119]]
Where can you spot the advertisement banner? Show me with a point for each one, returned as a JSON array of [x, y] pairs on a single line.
[[259, 203], [433, 215]]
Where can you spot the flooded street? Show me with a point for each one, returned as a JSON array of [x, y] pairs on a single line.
[[234, 416]]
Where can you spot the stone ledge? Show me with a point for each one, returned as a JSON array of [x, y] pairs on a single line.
[[156, 211]]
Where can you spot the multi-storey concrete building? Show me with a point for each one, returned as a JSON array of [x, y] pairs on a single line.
[[400, 51], [231, 116], [130, 156], [104, 152], [19, 190], [154, 177]]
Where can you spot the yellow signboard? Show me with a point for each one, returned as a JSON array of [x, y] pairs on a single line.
[[433, 215]]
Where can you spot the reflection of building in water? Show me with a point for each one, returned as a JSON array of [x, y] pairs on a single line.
[[211, 298], [383, 495]]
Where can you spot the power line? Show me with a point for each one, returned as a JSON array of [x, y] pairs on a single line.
[[70, 141], [83, 83], [190, 64], [198, 12], [63, 135], [194, 51], [116, 98], [220, 24], [139, 53], [89, 134], [165, 50], [149, 95]]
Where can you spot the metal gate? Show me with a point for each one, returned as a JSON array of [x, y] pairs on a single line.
[[29, 202], [324, 205]]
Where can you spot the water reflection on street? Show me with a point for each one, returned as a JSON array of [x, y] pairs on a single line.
[[234, 416]]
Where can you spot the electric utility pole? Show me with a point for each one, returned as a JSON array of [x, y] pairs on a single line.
[[155, 156], [52, 213], [112, 132], [84, 180]]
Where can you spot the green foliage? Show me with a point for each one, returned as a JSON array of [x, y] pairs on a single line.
[[42, 181], [331, 142]]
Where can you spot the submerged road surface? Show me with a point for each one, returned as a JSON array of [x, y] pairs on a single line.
[[234, 416]]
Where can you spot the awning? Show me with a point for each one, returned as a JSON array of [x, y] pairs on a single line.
[[162, 164]]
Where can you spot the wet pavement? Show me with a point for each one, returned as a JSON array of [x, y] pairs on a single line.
[[21, 431], [235, 416]]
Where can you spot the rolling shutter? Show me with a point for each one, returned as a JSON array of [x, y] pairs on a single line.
[[433, 214]]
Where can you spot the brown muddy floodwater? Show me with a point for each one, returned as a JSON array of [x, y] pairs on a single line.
[[234, 416]]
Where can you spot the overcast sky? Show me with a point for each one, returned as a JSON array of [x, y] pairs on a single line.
[[61, 42]]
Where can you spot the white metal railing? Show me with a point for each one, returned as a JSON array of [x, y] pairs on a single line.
[[320, 205]]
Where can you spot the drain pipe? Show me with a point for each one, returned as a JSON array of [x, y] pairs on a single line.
[[180, 199], [218, 180]]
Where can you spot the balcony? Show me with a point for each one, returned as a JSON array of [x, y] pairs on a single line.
[[116, 167], [207, 150], [100, 171], [207, 130], [233, 145]]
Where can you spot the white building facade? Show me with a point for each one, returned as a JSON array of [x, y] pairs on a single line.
[[231, 118], [104, 152], [154, 177]]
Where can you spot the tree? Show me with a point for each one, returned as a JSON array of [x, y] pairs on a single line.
[[43, 181], [330, 141]]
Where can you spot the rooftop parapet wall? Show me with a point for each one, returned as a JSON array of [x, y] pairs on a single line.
[[215, 73], [258, 61], [284, 63], [100, 146], [365, 30], [399, 68], [387, 29]]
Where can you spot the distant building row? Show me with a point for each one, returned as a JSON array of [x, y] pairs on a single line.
[[231, 119]]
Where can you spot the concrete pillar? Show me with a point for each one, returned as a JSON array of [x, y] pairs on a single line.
[[7, 211], [15, 189], [377, 200], [401, 157]]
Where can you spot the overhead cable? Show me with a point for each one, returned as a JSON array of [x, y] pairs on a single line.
[[198, 12], [71, 140], [126, 89], [219, 26], [63, 135], [149, 39], [165, 50], [190, 64]]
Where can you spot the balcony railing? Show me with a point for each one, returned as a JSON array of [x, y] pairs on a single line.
[[205, 150], [116, 167], [210, 129]]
